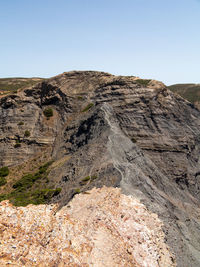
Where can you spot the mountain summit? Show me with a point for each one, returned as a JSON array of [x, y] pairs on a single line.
[[84, 129]]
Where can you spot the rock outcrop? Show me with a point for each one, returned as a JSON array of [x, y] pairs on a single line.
[[99, 228], [114, 131]]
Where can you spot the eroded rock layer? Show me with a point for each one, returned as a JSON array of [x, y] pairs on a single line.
[[114, 131], [99, 228]]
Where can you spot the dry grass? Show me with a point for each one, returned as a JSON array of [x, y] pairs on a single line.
[[12, 85]]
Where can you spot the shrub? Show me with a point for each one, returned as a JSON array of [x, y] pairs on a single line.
[[4, 171], [44, 195], [28, 180], [77, 191], [24, 198], [2, 181], [27, 133], [57, 191], [24, 192], [43, 168], [20, 123], [89, 106], [3, 197], [19, 198], [87, 178], [143, 82], [17, 144], [94, 177], [48, 112], [79, 97], [24, 183], [133, 140]]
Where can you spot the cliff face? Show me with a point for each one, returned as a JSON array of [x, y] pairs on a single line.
[[100, 228], [114, 131]]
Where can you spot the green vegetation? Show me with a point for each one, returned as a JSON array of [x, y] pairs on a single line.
[[2, 181], [18, 144], [44, 167], [40, 196], [20, 123], [4, 171], [27, 133], [133, 140], [89, 106], [30, 189], [48, 112], [12, 85], [143, 82], [79, 97], [77, 191], [94, 177], [88, 178], [2, 197], [85, 180], [28, 180]]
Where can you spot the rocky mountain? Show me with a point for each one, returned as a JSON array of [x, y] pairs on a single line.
[[189, 91], [100, 228], [80, 130]]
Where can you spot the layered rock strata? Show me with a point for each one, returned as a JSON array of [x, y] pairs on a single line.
[[114, 131]]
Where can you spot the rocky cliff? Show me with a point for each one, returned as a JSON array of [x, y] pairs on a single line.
[[100, 228], [101, 129]]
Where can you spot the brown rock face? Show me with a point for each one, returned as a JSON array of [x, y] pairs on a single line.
[[114, 131], [100, 228]]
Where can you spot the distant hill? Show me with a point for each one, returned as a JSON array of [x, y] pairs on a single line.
[[11, 85], [189, 91]]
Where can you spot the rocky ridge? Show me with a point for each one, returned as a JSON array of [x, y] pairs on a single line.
[[114, 131], [100, 228]]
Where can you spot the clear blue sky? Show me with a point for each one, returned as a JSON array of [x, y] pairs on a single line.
[[157, 39]]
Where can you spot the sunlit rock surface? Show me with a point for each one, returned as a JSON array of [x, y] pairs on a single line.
[[99, 228]]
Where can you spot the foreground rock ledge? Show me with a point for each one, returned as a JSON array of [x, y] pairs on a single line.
[[99, 228]]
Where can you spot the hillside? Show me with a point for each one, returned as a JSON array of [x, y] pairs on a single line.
[[80, 130], [12, 85], [189, 91]]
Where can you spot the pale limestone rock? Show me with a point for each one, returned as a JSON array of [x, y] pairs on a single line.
[[99, 228]]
